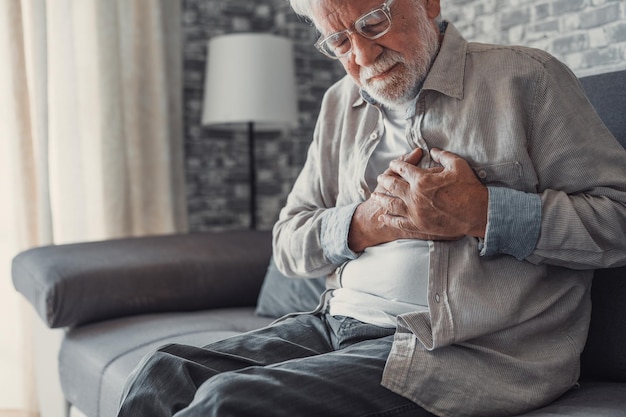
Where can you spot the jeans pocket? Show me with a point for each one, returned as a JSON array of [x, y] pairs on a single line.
[[346, 331]]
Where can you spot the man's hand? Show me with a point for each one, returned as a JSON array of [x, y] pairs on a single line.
[[366, 228], [441, 203]]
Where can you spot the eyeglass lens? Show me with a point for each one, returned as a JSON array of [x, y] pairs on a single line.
[[372, 25]]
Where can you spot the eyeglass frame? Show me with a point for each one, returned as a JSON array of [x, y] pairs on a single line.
[[385, 8]]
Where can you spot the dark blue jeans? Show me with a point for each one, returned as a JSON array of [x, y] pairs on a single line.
[[309, 365]]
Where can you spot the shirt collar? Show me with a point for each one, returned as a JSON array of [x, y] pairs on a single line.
[[448, 69], [447, 72], [364, 98]]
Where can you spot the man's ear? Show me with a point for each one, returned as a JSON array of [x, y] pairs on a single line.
[[433, 8]]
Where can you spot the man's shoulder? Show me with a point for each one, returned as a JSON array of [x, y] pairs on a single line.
[[461, 64], [513, 54]]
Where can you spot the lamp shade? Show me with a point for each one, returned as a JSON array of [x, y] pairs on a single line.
[[250, 78]]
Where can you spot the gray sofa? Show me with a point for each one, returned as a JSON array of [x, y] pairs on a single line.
[[117, 300]]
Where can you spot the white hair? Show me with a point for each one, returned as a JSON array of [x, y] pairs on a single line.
[[302, 7], [305, 8]]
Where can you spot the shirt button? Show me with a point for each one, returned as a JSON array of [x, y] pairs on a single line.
[[482, 174], [437, 298], [374, 135]]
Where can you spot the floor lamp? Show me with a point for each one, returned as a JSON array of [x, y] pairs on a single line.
[[250, 81]]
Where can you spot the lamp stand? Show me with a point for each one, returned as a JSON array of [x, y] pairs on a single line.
[[252, 175]]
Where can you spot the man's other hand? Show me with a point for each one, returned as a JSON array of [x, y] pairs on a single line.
[[444, 202], [386, 216]]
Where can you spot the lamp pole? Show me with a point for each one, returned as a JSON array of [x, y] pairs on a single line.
[[252, 175], [250, 79]]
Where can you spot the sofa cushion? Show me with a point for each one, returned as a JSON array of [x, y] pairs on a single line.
[[591, 399], [282, 295], [95, 360]]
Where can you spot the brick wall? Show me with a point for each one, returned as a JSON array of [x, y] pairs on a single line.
[[217, 160], [588, 35]]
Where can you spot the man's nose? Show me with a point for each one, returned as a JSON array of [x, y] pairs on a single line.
[[365, 50]]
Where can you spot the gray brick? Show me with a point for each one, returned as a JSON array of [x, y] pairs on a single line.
[[514, 18], [548, 26], [560, 7], [600, 16], [570, 23], [601, 56], [570, 43], [484, 7], [503, 5], [617, 32], [542, 11], [598, 37]]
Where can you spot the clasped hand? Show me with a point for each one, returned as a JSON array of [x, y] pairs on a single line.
[[444, 202]]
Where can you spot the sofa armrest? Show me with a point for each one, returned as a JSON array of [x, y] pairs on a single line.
[[79, 283]]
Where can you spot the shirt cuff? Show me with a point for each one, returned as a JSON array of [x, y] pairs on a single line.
[[513, 223], [334, 234]]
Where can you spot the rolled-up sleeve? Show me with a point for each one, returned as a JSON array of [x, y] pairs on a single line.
[[513, 223], [334, 235]]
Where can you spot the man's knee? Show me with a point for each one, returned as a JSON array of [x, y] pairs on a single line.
[[232, 393], [157, 367], [156, 358]]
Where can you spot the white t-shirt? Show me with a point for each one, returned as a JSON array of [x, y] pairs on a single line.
[[391, 278]]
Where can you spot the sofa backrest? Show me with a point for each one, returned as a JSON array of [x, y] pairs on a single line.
[[607, 93], [604, 356]]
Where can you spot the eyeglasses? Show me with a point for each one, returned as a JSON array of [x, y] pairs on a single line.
[[372, 25]]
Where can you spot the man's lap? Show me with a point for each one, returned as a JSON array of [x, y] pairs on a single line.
[[307, 365]]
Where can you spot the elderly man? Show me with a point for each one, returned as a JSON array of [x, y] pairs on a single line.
[[459, 196]]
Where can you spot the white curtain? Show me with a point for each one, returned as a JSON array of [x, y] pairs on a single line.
[[90, 141]]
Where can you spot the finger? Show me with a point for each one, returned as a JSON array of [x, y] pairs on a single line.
[[405, 171], [404, 224], [390, 204], [446, 159], [388, 171], [393, 184], [413, 157]]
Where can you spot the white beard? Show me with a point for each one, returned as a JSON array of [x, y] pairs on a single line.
[[403, 83]]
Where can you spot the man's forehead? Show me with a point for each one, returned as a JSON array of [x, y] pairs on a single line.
[[330, 13]]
